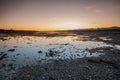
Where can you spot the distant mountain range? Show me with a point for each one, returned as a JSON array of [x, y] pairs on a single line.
[[113, 28], [110, 28]]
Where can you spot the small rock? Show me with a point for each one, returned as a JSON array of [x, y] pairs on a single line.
[[39, 51], [3, 56], [29, 43], [51, 78], [17, 54], [2, 52], [11, 50], [10, 65], [14, 46], [3, 65]]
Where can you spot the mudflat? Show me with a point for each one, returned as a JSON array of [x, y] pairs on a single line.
[[60, 55]]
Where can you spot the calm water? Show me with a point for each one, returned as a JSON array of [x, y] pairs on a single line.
[[27, 50]]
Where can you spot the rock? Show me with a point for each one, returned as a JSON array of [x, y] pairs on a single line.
[[18, 54], [11, 50], [111, 63], [51, 78], [3, 56], [10, 65], [51, 53], [14, 46], [3, 39], [2, 65], [2, 52], [99, 61], [94, 61], [29, 43], [40, 51]]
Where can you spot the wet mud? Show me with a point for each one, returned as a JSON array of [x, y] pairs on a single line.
[[60, 55]]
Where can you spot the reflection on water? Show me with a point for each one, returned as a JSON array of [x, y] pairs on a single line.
[[26, 50], [105, 38]]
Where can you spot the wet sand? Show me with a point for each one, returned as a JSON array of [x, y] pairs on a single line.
[[100, 67]]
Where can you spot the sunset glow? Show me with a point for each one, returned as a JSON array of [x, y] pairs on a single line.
[[58, 14]]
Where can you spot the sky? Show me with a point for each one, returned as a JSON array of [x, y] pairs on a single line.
[[58, 14]]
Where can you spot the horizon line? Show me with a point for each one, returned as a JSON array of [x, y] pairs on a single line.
[[63, 29]]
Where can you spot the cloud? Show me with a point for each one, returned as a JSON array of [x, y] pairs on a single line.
[[115, 7], [98, 11], [50, 18], [93, 8], [89, 7]]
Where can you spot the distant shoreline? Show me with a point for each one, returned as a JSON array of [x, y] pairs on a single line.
[[116, 28]]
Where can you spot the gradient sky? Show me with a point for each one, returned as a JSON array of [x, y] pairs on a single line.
[[58, 14]]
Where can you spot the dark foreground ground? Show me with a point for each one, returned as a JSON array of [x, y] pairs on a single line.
[[105, 67]]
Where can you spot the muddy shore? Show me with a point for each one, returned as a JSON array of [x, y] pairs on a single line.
[[104, 67]]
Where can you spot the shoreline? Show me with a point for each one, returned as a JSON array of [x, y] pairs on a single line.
[[103, 67]]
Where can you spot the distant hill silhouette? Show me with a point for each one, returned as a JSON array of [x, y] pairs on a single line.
[[110, 28], [113, 28]]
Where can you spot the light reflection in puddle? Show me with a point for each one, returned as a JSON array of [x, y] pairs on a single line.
[[105, 38], [32, 49]]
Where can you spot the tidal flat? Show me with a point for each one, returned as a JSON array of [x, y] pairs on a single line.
[[60, 55]]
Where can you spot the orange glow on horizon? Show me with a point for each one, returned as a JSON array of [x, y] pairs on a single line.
[[35, 28]]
